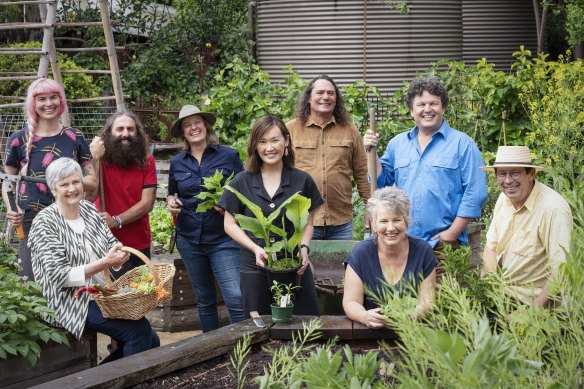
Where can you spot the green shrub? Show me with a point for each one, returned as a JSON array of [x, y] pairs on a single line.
[[22, 306], [77, 85], [161, 226]]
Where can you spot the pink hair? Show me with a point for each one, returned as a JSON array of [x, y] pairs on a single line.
[[40, 86]]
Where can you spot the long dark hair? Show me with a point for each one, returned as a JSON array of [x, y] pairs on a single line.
[[259, 128], [303, 106]]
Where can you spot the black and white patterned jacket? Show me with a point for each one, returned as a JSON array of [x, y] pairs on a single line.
[[55, 249]]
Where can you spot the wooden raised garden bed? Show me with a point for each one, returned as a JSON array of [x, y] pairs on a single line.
[[154, 363], [56, 361]]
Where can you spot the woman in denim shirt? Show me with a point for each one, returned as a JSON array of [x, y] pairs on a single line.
[[208, 253]]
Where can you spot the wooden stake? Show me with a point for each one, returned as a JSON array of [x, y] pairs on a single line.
[[372, 154], [111, 53]]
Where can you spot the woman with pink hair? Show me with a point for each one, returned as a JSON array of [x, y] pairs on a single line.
[[30, 150]]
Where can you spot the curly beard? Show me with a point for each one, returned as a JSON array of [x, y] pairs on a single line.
[[133, 153]]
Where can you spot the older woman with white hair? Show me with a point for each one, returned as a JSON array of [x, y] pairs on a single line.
[[71, 245], [390, 258]]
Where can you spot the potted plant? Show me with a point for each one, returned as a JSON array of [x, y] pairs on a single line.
[[283, 260], [282, 306]]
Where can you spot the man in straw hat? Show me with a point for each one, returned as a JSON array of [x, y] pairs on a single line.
[[531, 227]]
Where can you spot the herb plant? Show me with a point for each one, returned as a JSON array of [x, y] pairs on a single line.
[[214, 191], [282, 292]]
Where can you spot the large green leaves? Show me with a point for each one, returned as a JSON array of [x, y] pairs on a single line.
[[296, 206]]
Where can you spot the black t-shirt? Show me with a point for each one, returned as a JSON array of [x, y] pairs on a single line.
[[251, 186]]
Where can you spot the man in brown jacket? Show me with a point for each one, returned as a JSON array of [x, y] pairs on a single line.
[[330, 149]]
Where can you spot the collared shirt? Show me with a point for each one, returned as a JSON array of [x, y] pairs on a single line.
[[442, 182], [185, 178], [530, 241], [331, 154], [123, 187], [252, 187]]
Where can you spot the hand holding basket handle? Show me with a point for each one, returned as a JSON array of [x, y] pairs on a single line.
[[134, 305], [117, 256]]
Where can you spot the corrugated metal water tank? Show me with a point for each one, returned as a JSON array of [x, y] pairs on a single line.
[[363, 39], [494, 29]]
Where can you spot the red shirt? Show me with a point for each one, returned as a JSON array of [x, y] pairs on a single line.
[[122, 190]]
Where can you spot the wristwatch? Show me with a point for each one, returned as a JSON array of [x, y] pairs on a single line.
[[307, 248]]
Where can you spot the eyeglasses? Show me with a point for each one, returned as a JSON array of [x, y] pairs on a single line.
[[502, 175]]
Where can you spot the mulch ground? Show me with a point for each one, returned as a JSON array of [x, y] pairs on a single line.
[[214, 373]]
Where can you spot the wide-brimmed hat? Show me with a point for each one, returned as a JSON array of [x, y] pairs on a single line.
[[513, 156], [185, 112]]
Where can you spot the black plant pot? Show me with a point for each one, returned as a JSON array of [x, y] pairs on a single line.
[[287, 277]]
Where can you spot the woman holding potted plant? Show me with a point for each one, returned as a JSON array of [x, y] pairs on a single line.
[[269, 180], [390, 258]]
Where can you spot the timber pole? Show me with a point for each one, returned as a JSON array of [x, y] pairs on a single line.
[[111, 53]]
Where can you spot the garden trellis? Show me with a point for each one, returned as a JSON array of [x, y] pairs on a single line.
[[48, 51]]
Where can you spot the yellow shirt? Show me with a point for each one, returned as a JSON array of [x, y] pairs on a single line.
[[529, 242], [331, 154]]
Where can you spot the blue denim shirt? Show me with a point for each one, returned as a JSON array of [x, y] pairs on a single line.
[[442, 183], [185, 177]]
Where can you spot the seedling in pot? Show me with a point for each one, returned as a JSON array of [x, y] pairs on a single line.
[[282, 293]]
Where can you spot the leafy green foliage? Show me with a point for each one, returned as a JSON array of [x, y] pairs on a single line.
[[78, 85], [22, 307], [238, 362], [242, 94], [165, 69], [214, 185], [575, 21], [161, 225], [261, 227], [280, 290]]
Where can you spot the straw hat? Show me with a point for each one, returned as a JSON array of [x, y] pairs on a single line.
[[185, 112], [512, 156]]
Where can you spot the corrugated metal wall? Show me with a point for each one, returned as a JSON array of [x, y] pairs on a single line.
[[494, 29], [359, 39], [349, 41]]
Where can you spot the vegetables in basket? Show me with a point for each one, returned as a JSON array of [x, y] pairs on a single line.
[[143, 283]]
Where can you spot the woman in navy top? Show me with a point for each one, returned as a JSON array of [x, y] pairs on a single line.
[[207, 251], [389, 257], [268, 180]]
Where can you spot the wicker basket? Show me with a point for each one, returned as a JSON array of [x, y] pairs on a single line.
[[134, 305]]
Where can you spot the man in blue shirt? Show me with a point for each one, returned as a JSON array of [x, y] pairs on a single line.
[[437, 166]]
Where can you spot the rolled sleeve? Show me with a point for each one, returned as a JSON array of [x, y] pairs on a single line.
[[474, 183], [387, 176]]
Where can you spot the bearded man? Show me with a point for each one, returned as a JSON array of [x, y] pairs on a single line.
[[129, 182]]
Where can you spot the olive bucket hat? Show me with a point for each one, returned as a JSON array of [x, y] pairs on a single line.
[[185, 112], [512, 156]]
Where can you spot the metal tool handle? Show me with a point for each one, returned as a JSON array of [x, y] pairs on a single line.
[[14, 208]]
